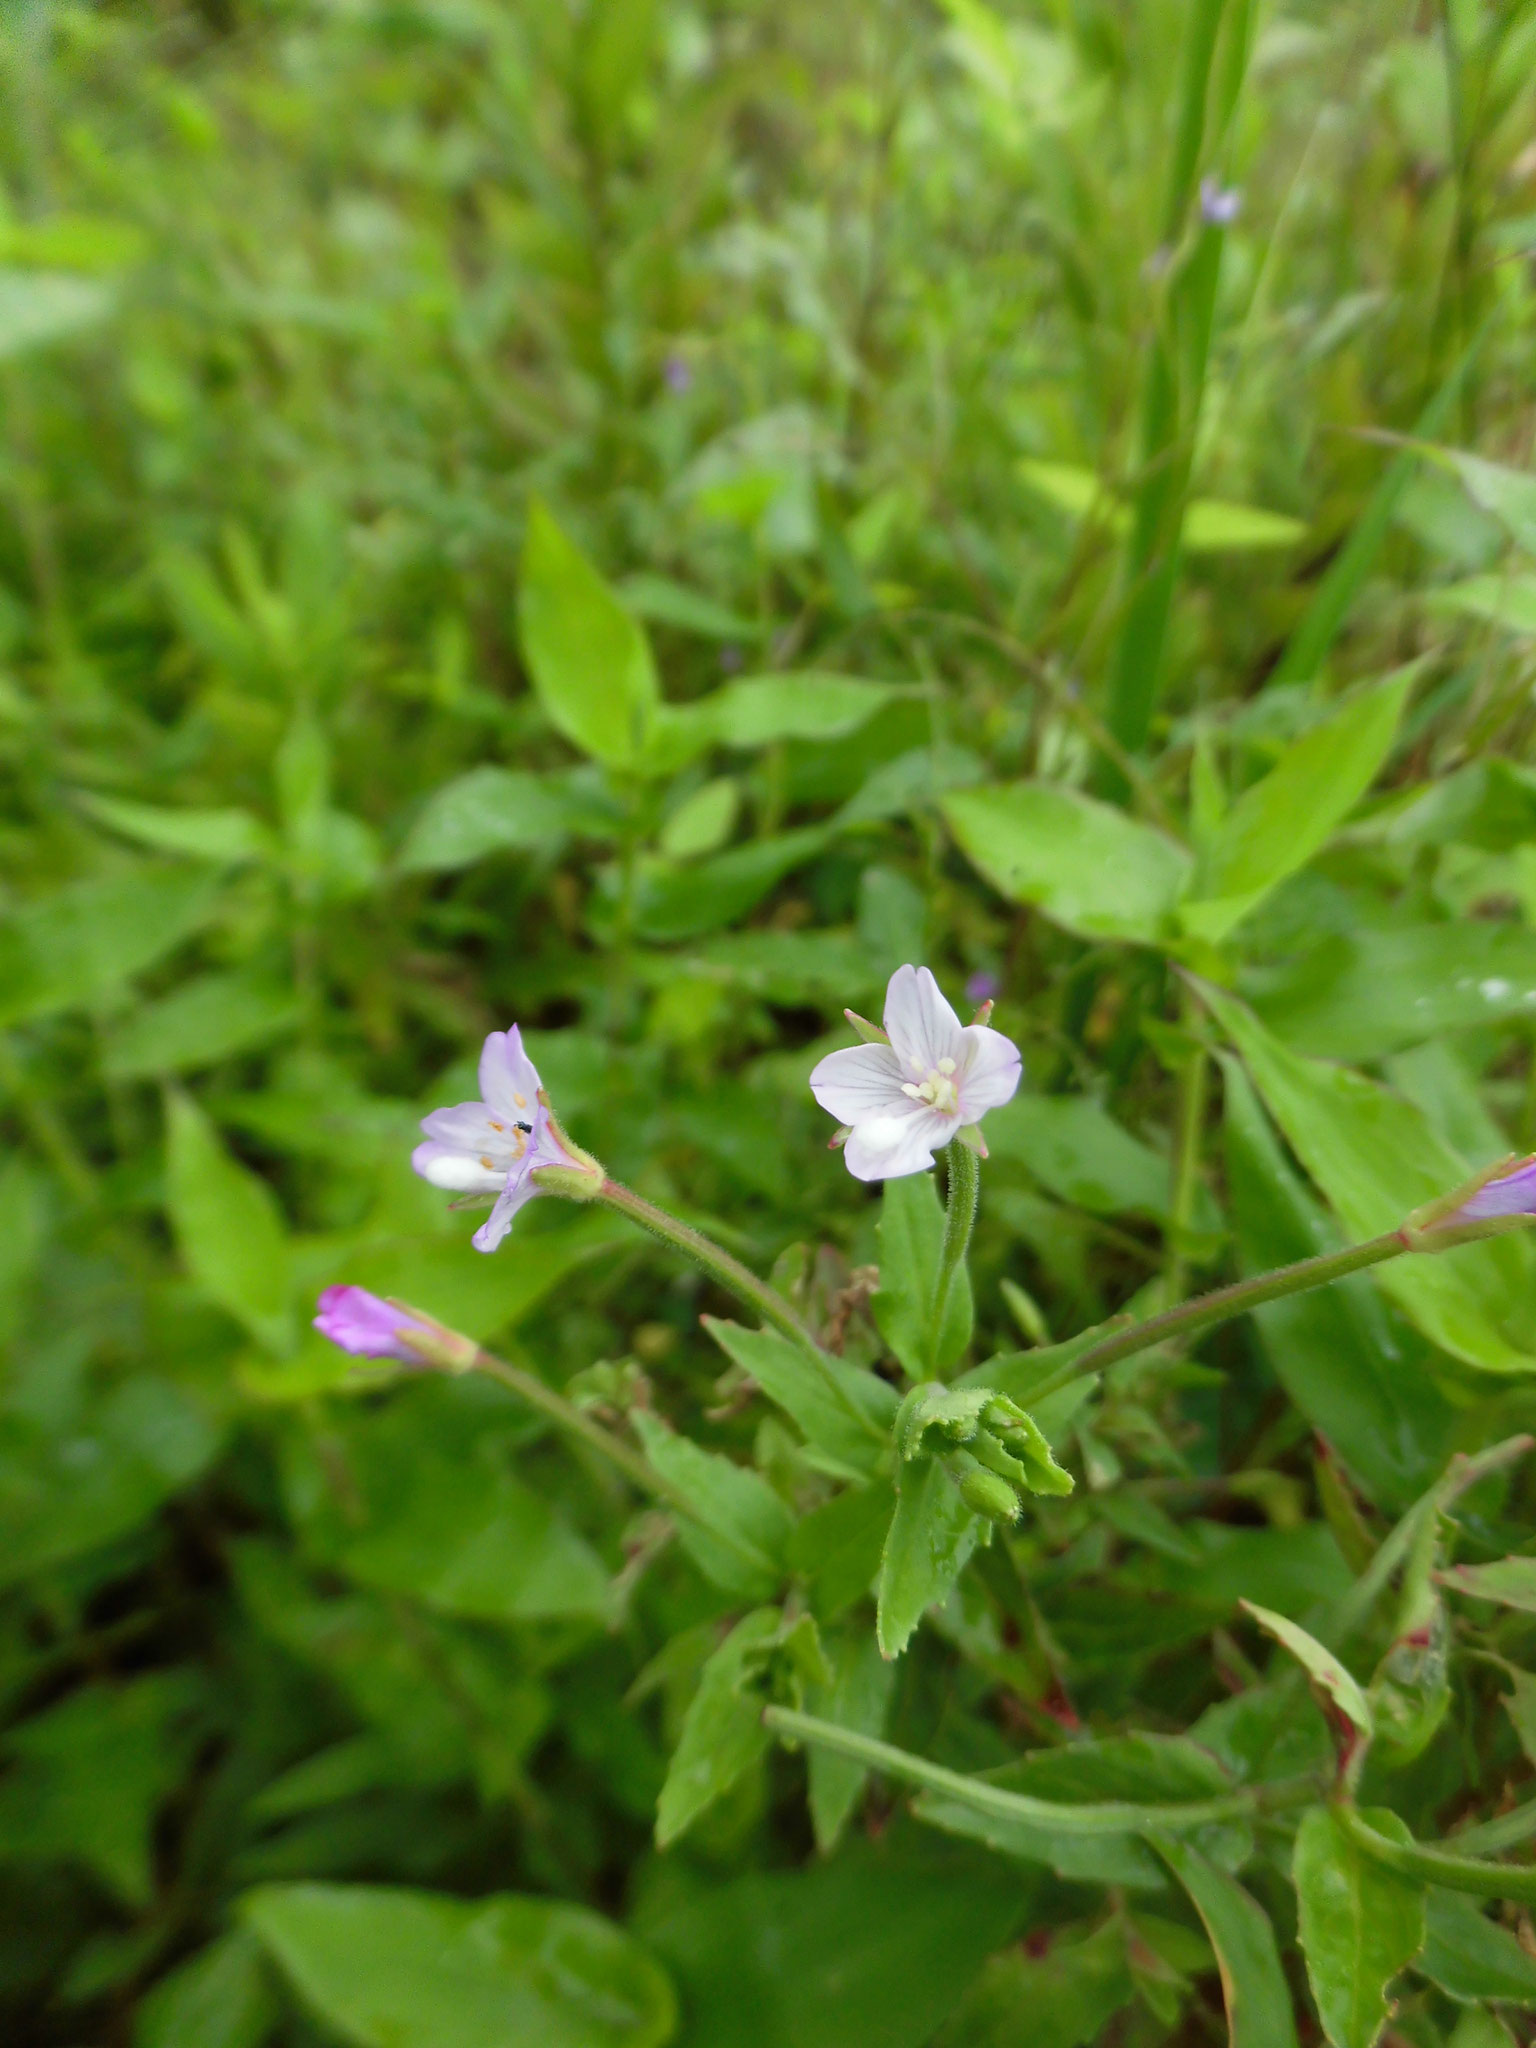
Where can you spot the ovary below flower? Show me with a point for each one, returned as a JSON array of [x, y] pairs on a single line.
[[497, 1146], [906, 1099]]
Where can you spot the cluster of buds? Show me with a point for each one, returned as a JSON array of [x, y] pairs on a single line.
[[994, 1452]]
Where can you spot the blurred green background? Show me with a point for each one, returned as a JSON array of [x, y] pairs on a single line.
[[887, 350]]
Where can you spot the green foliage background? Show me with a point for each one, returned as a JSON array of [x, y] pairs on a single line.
[[366, 363]]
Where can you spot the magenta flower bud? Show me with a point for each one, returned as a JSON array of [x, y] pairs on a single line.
[[369, 1326]]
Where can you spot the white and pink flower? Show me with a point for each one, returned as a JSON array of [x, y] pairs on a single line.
[[904, 1099]]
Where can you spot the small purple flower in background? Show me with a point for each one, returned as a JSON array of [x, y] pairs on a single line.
[[678, 375], [1219, 204], [369, 1326], [496, 1146], [982, 987], [906, 1098], [1512, 1194]]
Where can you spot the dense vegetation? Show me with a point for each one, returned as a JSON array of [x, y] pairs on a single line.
[[638, 519]]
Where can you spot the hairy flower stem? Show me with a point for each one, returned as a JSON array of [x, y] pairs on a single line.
[[567, 1416], [959, 1222], [1224, 1303], [1099, 1817], [732, 1275]]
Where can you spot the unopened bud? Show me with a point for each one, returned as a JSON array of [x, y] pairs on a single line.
[[987, 1494]]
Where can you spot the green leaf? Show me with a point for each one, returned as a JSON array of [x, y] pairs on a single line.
[[1320, 1665], [1470, 1956], [928, 1545], [858, 1697], [1211, 525], [1509, 494], [1358, 996], [1510, 1582], [393, 1968], [1278, 823], [227, 837], [723, 1734], [201, 1022], [1065, 1998], [1085, 865], [432, 1511], [869, 1950], [228, 1226], [842, 1411], [1358, 1374], [760, 711], [911, 1235], [221, 1997], [1076, 1149], [683, 902], [739, 1526], [83, 942], [89, 1776], [504, 810], [70, 1490], [1360, 1925], [589, 660], [1253, 1985], [39, 307], [1376, 1157], [674, 604], [703, 822], [1508, 601], [837, 1547]]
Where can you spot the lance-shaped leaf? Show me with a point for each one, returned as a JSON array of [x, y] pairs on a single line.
[[1509, 1582], [1086, 865], [723, 1733], [911, 1233], [736, 1526], [928, 1545], [1253, 1985], [841, 1411], [1342, 1692], [590, 661], [1360, 1925]]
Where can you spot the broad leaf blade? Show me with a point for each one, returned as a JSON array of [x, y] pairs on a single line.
[[1360, 1925]]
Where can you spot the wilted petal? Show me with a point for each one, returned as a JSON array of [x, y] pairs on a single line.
[[889, 1147], [456, 1172], [923, 1028], [860, 1081], [509, 1081], [990, 1066]]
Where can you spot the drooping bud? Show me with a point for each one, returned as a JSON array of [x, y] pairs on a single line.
[[1502, 1197]]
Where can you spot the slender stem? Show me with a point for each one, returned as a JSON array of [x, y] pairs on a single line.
[[1438, 1866], [732, 1275], [959, 1222], [1502, 1832], [1100, 1817], [1225, 1302], [567, 1416], [1186, 1162]]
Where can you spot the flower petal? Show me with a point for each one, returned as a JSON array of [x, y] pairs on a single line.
[[518, 1190], [365, 1324], [1512, 1195], [460, 1173], [509, 1080], [990, 1066], [889, 1147], [859, 1081], [475, 1127], [923, 1028]]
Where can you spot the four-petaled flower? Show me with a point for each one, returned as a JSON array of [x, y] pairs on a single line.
[[496, 1147], [906, 1098], [369, 1326]]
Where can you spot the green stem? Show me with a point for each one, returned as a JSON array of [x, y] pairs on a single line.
[[1223, 1303], [1186, 1163], [567, 1416], [1100, 1817], [959, 1222], [1438, 1866], [732, 1275]]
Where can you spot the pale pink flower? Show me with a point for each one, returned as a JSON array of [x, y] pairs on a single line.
[[905, 1099], [494, 1147]]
